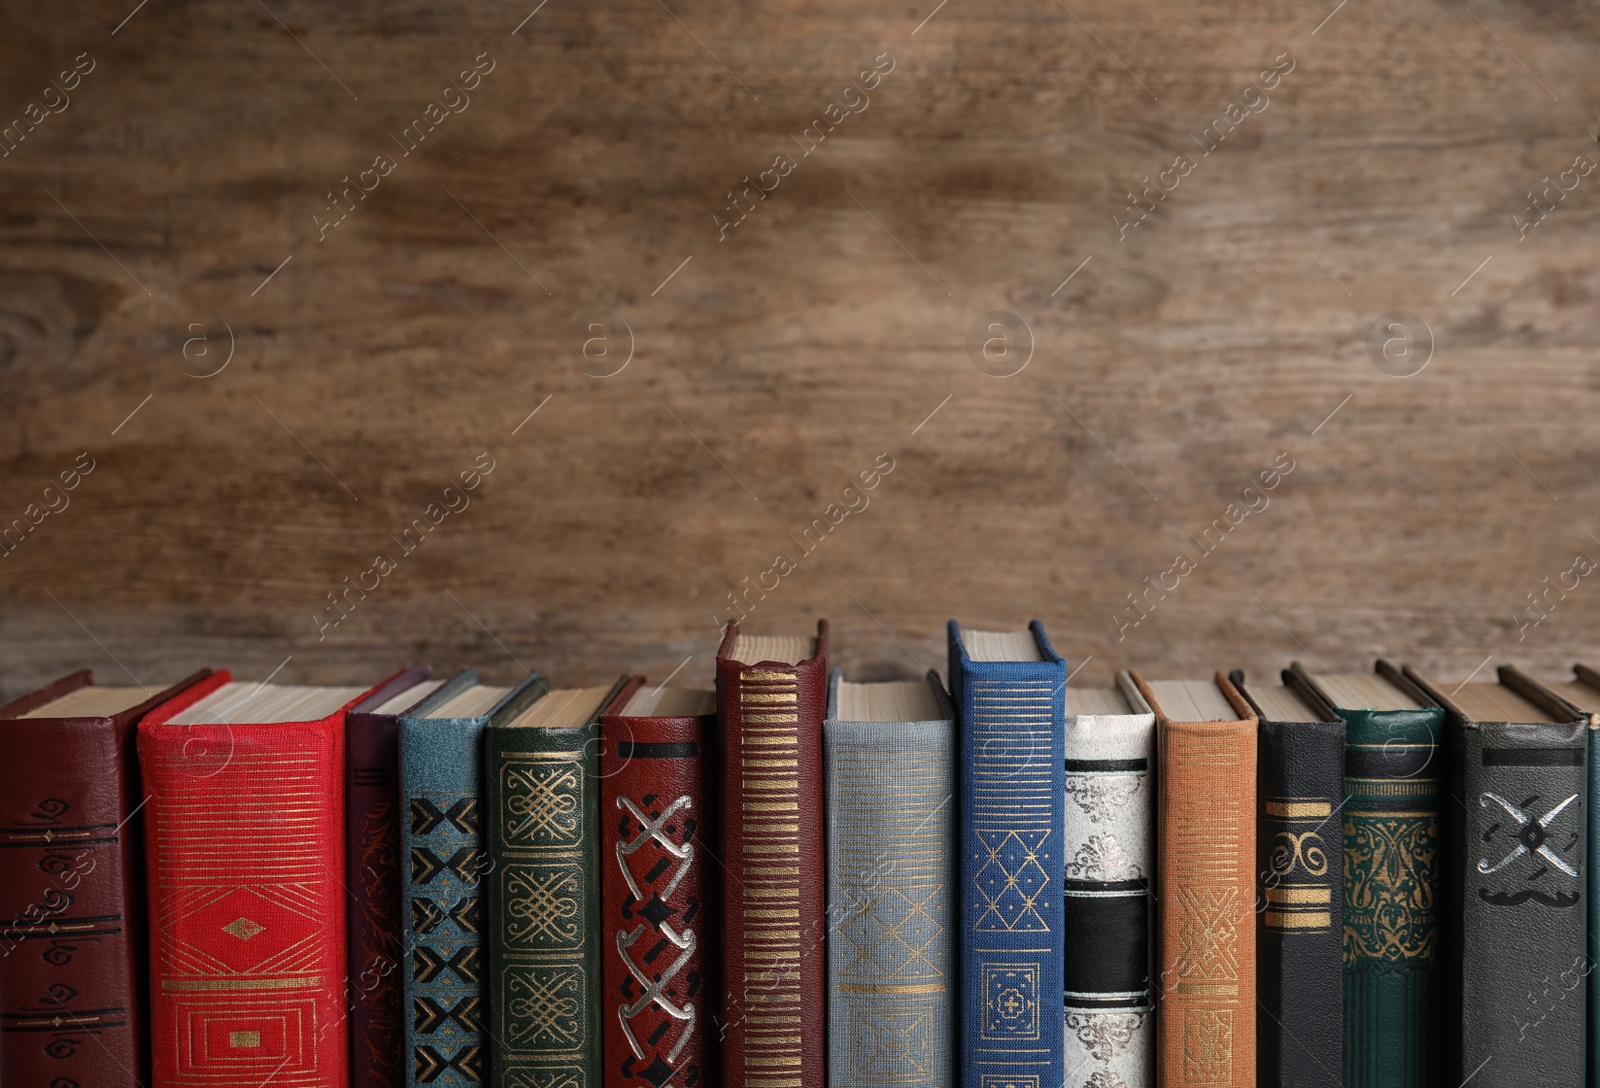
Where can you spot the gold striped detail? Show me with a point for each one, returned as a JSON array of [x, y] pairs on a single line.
[[777, 719], [1298, 895], [892, 987], [751, 698], [748, 762], [1298, 809], [1208, 989], [185, 985], [1300, 920]]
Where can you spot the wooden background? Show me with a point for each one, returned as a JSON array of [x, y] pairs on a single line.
[[820, 333]]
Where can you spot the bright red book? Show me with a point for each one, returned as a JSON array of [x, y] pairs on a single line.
[[245, 849]]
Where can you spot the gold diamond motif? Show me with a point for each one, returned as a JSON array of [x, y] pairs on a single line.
[[243, 928]]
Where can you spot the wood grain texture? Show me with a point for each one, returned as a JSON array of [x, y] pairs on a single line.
[[782, 360]]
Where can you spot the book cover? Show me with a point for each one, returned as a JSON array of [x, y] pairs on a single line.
[[441, 839], [771, 698], [245, 845], [542, 781], [73, 983], [1205, 888], [1300, 877], [660, 927], [1393, 868], [1007, 688], [372, 876], [1583, 693], [891, 884], [1517, 929], [1109, 827]]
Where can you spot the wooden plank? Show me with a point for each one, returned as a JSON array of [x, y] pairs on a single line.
[[830, 327]]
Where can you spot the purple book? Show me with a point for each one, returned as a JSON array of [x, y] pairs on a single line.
[[372, 875]]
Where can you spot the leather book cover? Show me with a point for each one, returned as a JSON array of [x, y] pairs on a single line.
[[542, 786], [1205, 895], [73, 979], [245, 846], [891, 898], [1300, 897], [1109, 827], [1583, 692], [1393, 866], [1517, 931], [1010, 839], [774, 956], [659, 927], [442, 842], [372, 875]]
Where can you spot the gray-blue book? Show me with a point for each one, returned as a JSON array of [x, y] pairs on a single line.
[[441, 839], [889, 769]]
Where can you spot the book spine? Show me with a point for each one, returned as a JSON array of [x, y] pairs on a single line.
[[891, 900], [774, 889], [441, 778], [543, 792], [247, 933], [1012, 794], [1109, 836], [1392, 887], [658, 930], [1592, 886], [72, 981], [372, 874], [1519, 886], [1207, 815], [1300, 907]]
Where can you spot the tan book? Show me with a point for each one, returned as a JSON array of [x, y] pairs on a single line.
[[1205, 882]]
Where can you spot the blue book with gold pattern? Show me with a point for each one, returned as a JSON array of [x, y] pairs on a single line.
[[1008, 688], [889, 765], [441, 839]]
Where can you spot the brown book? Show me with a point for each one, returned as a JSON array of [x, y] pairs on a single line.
[[1205, 882]]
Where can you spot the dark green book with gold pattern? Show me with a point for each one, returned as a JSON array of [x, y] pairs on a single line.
[[542, 779], [1393, 868]]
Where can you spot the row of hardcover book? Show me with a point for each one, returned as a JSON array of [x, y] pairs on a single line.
[[799, 881]]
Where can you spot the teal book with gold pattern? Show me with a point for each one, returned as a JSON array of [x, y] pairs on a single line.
[[542, 779], [889, 770], [1394, 781], [441, 839]]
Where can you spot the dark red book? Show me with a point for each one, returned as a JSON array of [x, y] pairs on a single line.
[[771, 699], [245, 846], [72, 967], [372, 877], [656, 918]]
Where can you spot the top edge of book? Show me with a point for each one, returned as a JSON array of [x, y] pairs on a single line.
[[410, 697], [665, 702], [1364, 691], [474, 702], [1491, 701], [1101, 701], [786, 649], [1575, 691], [564, 708], [1001, 645], [887, 701], [91, 702], [1193, 701], [1281, 703], [249, 702]]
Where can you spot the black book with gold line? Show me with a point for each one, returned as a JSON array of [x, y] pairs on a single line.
[[1300, 885]]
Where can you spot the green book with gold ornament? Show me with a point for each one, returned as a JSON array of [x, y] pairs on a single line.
[[1393, 869]]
